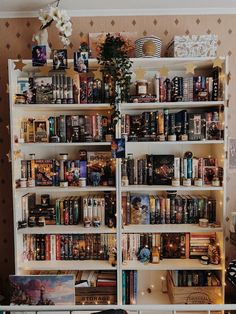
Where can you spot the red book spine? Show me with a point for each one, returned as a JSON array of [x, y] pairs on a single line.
[[58, 247], [47, 247], [106, 284]]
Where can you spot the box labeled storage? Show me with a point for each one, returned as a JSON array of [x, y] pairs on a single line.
[[193, 46], [193, 295], [95, 295]]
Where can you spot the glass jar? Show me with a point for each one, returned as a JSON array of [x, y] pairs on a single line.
[[141, 88]]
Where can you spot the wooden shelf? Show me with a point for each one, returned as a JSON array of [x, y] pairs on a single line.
[[153, 188], [168, 228], [67, 265], [65, 229], [171, 264]]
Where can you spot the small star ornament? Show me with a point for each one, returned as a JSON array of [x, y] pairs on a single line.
[[217, 63], [9, 156], [19, 65], [163, 71], [190, 68], [17, 154], [98, 74], [44, 70], [139, 74], [71, 73]]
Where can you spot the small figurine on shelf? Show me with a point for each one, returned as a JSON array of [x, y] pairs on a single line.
[[144, 255], [214, 252], [113, 257]]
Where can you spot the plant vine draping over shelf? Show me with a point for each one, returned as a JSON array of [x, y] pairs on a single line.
[[116, 64]]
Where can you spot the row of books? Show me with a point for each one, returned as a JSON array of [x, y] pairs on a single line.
[[184, 278], [65, 129], [50, 172], [163, 125], [159, 209], [53, 247], [129, 286], [171, 245], [71, 210], [161, 169], [195, 88]]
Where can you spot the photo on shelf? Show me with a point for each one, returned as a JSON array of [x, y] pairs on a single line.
[[81, 61], [59, 59], [118, 148], [40, 131], [42, 290], [39, 56], [140, 211], [209, 173]]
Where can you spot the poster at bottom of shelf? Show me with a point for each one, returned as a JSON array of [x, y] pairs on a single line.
[[42, 290]]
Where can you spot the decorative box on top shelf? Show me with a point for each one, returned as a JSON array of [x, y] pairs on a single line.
[[193, 46]]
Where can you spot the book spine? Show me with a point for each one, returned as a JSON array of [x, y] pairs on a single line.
[[123, 287], [47, 247], [53, 247], [58, 247]]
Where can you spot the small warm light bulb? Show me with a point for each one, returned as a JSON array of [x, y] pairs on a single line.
[[162, 278], [142, 293], [152, 286]]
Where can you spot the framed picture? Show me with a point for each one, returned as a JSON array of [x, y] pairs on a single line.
[[81, 61], [209, 173], [42, 289], [40, 131], [59, 59], [39, 56], [43, 89], [118, 148]]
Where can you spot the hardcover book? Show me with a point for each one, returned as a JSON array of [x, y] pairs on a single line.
[[163, 169], [43, 172], [171, 245]]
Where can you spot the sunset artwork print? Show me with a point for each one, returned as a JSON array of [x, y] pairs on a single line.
[[42, 290]]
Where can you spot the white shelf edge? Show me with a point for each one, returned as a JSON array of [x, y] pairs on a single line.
[[170, 264], [151, 188], [207, 142], [70, 189], [65, 229], [180, 104], [66, 265], [64, 107], [169, 228], [65, 144]]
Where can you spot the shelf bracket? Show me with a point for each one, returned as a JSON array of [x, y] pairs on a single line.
[[226, 154], [227, 103], [228, 78]]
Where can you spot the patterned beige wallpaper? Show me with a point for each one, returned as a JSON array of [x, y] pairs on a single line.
[[15, 43]]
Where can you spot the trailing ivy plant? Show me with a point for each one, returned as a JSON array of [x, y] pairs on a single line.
[[115, 63]]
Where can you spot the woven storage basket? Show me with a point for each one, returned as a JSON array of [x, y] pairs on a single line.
[[148, 47]]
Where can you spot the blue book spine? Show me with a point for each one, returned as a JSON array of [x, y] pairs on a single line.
[[123, 287]]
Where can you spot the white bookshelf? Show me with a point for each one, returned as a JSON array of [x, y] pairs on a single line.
[[208, 147]]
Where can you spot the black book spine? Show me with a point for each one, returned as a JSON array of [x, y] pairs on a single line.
[[149, 169], [130, 171], [62, 246], [66, 246], [166, 123], [70, 247], [140, 171], [71, 217], [172, 211], [145, 170], [215, 93], [76, 211], [42, 247], [172, 123], [38, 246], [190, 210], [185, 210]]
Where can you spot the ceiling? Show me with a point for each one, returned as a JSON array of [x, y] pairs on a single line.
[[25, 8]]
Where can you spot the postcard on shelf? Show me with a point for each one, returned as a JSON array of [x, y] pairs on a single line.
[[42, 289], [118, 148], [59, 59], [44, 172], [40, 131], [81, 61], [39, 56], [140, 210], [43, 89]]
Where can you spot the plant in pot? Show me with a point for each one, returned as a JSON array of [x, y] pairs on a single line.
[[115, 62]]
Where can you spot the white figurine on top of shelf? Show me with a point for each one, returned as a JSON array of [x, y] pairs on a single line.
[[41, 38]]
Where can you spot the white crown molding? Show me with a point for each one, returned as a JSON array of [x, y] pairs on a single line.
[[127, 12]]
